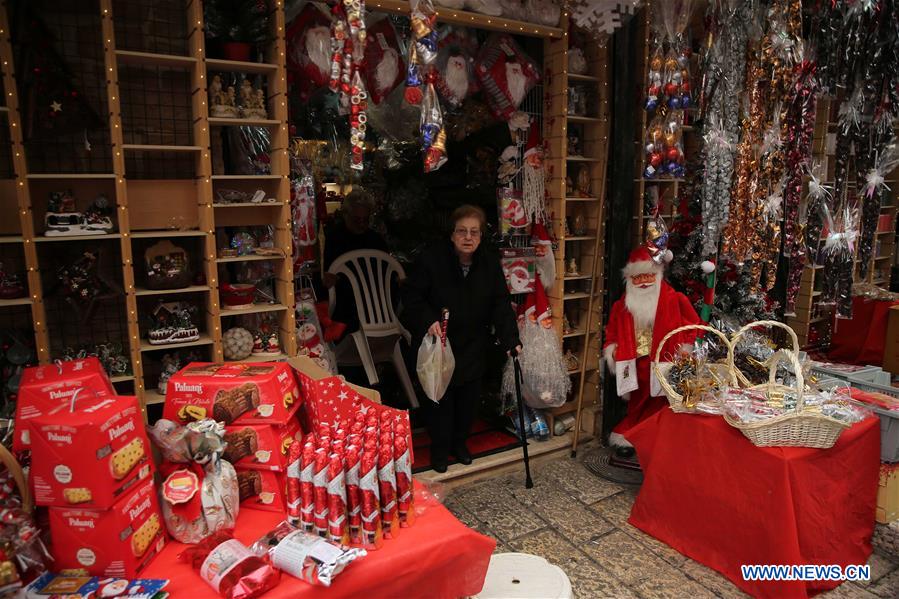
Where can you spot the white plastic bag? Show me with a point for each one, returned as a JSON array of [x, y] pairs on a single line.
[[435, 366]]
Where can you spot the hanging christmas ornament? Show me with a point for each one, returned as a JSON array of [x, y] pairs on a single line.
[[309, 50], [384, 64], [506, 74], [422, 49], [433, 134], [358, 119]]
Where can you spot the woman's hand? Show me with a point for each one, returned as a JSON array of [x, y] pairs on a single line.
[[435, 329]]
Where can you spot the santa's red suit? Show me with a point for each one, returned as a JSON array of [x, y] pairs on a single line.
[[640, 319]]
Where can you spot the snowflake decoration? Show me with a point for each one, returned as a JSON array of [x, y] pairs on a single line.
[[602, 17]]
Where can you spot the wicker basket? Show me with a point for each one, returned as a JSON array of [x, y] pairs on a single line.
[[801, 428], [9, 460], [675, 399], [735, 338]]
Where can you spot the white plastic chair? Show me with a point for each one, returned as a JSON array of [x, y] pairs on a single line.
[[370, 273]]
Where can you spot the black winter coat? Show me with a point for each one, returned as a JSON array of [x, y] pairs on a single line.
[[476, 303]]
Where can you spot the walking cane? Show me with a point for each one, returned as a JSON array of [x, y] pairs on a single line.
[[528, 483]]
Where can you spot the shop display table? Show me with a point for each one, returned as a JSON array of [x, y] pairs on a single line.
[[438, 557], [862, 339], [717, 498]]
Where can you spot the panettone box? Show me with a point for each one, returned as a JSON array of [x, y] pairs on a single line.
[[120, 541], [44, 389], [262, 490], [89, 457], [261, 446], [233, 393]]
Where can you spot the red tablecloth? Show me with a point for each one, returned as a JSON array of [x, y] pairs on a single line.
[[437, 557], [718, 499], [861, 340]]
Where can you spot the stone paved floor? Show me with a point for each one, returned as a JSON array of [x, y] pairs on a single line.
[[579, 522]]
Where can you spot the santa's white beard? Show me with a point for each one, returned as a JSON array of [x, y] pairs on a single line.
[[318, 48], [543, 370], [546, 269], [534, 192], [642, 303], [456, 78], [387, 70], [517, 83]]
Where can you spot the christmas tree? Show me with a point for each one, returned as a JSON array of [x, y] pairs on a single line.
[[687, 276]]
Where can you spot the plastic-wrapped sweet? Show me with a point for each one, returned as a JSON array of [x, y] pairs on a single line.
[[304, 555]]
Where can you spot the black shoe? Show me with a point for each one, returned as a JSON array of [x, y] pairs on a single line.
[[624, 452], [462, 454], [439, 467]]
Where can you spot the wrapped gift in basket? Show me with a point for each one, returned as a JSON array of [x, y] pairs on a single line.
[[692, 376], [774, 414]]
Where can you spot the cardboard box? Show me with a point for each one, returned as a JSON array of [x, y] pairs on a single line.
[[888, 494], [261, 446], [116, 542], [258, 393], [891, 343], [262, 490], [44, 389], [52, 586], [90, 457]]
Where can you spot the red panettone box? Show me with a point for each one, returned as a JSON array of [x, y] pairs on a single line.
[[236, 394], [117, 542], [89, 457], [261, 446], [44, 389], [262, 490]]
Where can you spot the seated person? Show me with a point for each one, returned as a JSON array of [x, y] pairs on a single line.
[[348, 233]]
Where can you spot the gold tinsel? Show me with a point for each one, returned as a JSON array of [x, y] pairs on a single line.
[[751, 234]]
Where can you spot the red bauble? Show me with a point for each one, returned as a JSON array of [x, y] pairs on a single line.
[[685, 87], [413, 95], [672, 154], [670, 89], [655, 159], [654, 90]]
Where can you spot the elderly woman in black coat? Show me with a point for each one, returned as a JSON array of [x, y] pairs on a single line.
[[466, 279]]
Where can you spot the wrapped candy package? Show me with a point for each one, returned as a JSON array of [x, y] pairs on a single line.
[[230, 568], [200, 494], [305, 556]]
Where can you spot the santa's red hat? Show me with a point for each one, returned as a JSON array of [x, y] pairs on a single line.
[[540, 235], [534, 144], [640, 261], [530, 304], [542, 308]]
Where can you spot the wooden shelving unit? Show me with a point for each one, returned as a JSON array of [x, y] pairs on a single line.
[[579, 297], [143, 204]]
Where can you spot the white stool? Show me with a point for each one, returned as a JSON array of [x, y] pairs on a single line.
[[524, 576]]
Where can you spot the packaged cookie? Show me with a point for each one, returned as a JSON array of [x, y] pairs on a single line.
[[232, 393], [90, 453], [44, 389], [199, 493], [261, 446], [120, 541]]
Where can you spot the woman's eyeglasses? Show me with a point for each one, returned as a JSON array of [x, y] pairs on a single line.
[[473, 233]]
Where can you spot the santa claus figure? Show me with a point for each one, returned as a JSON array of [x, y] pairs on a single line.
[[648, 311]]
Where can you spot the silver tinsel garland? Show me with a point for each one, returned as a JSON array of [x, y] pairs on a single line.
[[724, 72]]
